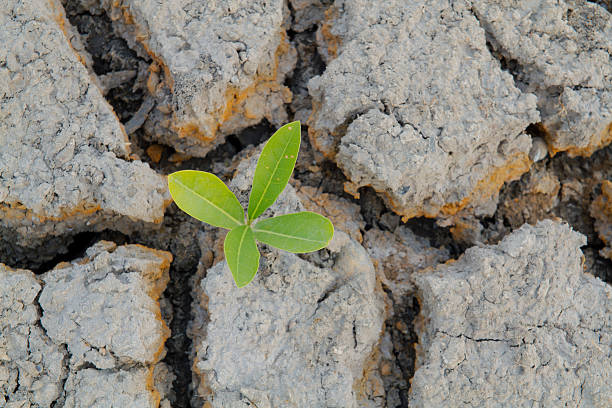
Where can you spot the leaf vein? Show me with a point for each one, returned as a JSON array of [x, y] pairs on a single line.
[[270, 180], [280, 234], [209, 202], [240, 249]]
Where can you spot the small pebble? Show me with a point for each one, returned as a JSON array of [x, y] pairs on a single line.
[[539, 150]]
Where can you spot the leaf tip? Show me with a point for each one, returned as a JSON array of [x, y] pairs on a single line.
[[295, 123], [241, 255], [240, 285]]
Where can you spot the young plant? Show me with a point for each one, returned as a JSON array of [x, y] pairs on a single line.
[[204, 196]]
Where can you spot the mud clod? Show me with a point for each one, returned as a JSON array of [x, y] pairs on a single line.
[[507, 318]]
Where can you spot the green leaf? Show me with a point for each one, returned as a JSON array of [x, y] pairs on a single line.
[[300, 232], [274, 168], [204, 196], [241, 254]]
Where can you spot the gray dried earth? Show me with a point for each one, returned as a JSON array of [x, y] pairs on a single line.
[[219, 66], [387, 121], [298, 336], [87, 333], [65, 157], [459, 147], [562, 52], [515, 324]]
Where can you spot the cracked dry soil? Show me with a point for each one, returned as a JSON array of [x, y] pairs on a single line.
[[554, 188]]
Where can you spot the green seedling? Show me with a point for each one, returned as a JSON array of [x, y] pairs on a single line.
[[205, 197]]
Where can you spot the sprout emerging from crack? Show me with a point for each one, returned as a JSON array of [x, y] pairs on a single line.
[[205, 197]]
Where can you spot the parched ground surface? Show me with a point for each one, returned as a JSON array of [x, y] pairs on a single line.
[[515, 324], [460, 149]]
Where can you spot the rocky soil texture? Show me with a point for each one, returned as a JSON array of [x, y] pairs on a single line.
[[461, 149]]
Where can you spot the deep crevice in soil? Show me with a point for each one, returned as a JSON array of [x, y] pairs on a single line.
[[558, 187], [76, 249], [110, 54], [222, 160], [401, 328], [377, 214], [178, 345], [178, 235], [309, 64]]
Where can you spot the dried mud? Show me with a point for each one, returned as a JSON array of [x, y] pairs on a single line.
[[555, 187]]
